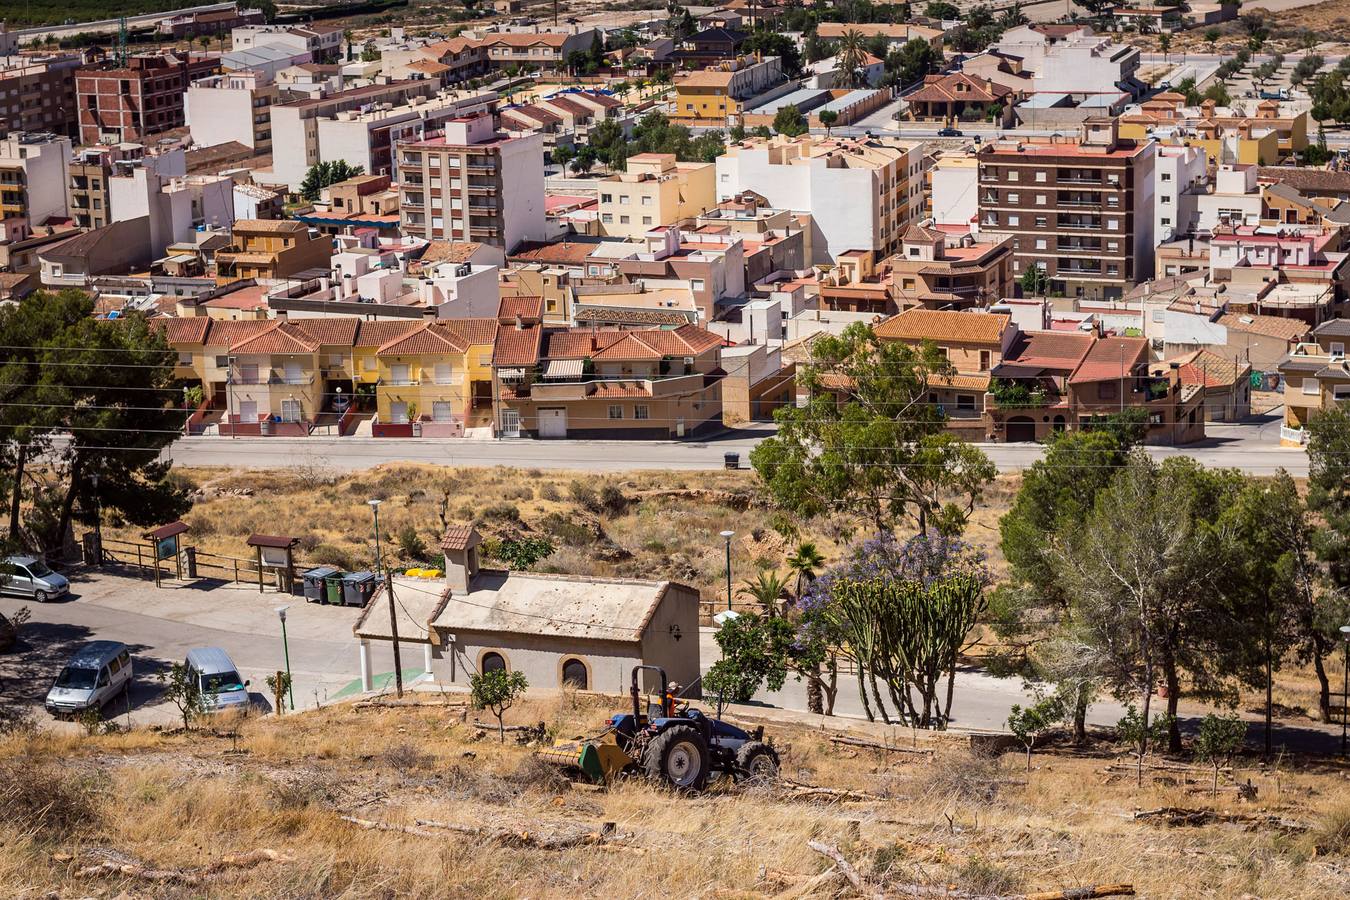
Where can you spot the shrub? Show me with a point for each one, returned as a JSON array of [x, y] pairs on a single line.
[[584, 495], [332, 555], [549, 491], [410, 543], [48, 802], [520, 492], [566, 530], [501, 512], [979, 876], [612, 500], [522, 553]]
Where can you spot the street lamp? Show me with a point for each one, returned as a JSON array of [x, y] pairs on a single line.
[[375, 508], [727, 536], [98, 524], [1345, 686], [286, 648]]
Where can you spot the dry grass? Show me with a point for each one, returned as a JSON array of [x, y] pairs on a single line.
[[185, 800]]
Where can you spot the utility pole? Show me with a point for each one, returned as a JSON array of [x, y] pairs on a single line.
[[393, 630]]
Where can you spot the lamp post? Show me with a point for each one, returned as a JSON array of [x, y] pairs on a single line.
[[375, 508], [727, 536], [98, 524], [1345, 686], [286, 648]]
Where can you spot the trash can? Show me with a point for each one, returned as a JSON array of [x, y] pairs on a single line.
[[333, 589], [358, 587], [314, 579], [732, 460]]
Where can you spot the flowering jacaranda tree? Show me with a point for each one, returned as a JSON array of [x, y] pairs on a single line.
[[901, 612]]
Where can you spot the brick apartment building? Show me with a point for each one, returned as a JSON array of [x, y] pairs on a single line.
[[37, 93], [135, 101], [1080, 209]]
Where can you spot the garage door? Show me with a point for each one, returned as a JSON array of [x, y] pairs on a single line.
[[553, 423], [1020, 428]]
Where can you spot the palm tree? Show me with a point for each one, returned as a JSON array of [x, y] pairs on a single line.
[[767, 589], [852, 57], [805, 562]]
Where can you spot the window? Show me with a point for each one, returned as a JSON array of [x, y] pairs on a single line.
[[1166, 221], [646, 220], [1166, 176], [965, 402], [492, 662], [1014, 220], [1040, 199], [1012, 197], [696, 284], [606, 198], [1106, 390], [623, 220], [290, 410], [623, 198], [1112, 224], [642, 412], [184, 359], [914, 251], [607, 218], [647, 200], [1012, 174], [1040, 221], [615, 411], [1337, 348], [574, 674], [1040, 243], [984, 360], [1040, 176], [1166, 199], [1311, 386]]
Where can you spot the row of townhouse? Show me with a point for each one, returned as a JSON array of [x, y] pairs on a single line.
[[510, 376], [1013, 385]]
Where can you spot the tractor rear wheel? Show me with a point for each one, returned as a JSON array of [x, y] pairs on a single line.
[[678, 756], [756, 762]]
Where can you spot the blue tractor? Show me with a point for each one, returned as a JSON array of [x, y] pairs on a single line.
[[668, 742]]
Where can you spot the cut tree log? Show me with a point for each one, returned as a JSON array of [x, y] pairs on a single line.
[[1179, 815], [847, 741], [1084, 893], [803, 888], [505, 837], [411, 704]]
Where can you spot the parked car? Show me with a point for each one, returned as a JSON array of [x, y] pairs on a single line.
[[29, 576], [949, 132], [218, 678], [97, 672]]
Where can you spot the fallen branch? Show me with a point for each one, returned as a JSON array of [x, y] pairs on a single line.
[[1177, 815], [1084, 893], [410, 704], [128, 867], [846, 869], [809, 792], [809, 885], [506, 837], [508, 729], [875, 745]]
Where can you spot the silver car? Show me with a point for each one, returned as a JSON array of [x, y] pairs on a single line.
[[97, 672], [218, 678], [30, 577]]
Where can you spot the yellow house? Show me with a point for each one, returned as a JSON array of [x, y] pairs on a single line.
[[434, 379], [655, 190], [717, 93], [272, 248]]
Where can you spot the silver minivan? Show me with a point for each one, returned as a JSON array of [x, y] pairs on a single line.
[[30, 577], [99, 671], [218, 678]]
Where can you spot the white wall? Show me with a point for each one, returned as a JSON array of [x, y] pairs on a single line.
[[217, 115], [295, 145], [472, 296], [46, 167], [956, 197], [1144, 215], [522, 190]]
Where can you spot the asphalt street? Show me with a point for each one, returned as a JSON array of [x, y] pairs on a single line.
[[1251, 446]]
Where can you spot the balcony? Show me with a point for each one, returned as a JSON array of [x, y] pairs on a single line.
[[1080, 225], [1077, 269], [1064, 245], [1089, 201]]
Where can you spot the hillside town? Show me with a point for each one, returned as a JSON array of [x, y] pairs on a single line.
[[827, 407]]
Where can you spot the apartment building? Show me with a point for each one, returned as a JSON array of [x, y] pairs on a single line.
[[1082, 210], [448, 61], [1316, 377], [473, 184], [861, 193], [37, 93], [895, 34], [1181, 177], [361, 125], [963, 274], [718, 93], [535, 49], [209, 22], [655, 190], [232, 107], [268, 249], [589, 383], [34, 171], [142, 98], [322, 42], [1072, 60]]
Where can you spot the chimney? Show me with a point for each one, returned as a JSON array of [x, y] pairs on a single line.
[[461, 558], [520, 325]]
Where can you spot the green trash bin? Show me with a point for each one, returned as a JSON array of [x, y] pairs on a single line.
[[332, 594]]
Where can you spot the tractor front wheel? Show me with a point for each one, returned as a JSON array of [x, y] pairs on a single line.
[[756, 762], [678, 756]]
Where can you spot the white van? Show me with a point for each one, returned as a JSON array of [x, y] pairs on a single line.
[[218, 679], [99, 671]]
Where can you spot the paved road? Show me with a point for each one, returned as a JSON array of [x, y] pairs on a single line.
[[1252, 447], [111, 25]]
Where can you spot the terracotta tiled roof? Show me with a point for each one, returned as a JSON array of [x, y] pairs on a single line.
[[688, 340], [517, 346], [226, 333], [555, 251], [962, 381], [1110, 357], [460, 537], [528, 308], [377, 334], [942, 325], [337, 331], [1049, 350], [549, 38], [282, 337], [1210, 369], [445, 251], [1307, 180], [1270, 326], [604, 100], [425, 339], [948, 88], [185, 331], [629, 316], [570, 106], [470, 331], [580, 344], [917, 234], [618, 389]]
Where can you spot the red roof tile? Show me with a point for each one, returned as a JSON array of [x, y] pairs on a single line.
[[517, 346], [1110, 357]]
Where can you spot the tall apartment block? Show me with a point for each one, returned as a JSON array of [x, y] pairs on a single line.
[[33, 173], [37, 93], [473, 183], [88, 193], [1081, 210], [142, 98]]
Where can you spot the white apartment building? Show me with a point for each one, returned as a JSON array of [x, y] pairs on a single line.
[[1180, 178], [1235, 200], [461, 290], [158, 187], [322, 42], [34, 171], [953, 180], [232, 107], [861, 193], [1079, 63], [362, 125], [472, 183]]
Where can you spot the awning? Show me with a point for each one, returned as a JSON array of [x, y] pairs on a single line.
[[563, 368], [511, 374]]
